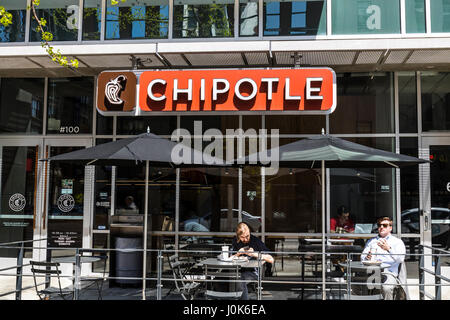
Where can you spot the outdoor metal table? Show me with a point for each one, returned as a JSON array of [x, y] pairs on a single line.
[[362, 272], [215, 263]]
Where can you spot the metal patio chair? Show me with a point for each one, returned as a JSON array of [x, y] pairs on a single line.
[[49, 270], [183, 285]]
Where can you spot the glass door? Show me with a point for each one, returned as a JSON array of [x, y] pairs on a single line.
[[18, 192], [68, 191], [436, 217]]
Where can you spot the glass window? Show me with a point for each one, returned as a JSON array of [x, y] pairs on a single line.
[[409, 188], [296, 124], [415, 16], [102, 207], [160, 125], [440, 15], [365, 17], [209, 201], [365, 103], [70, 104], [248, 18], [14, 32], [368, 193], [92, 16], [18, 183], [201, 19], [61, 17], [251, 192], [435, 101], [210, 122], [407, 99], [104, 124], [21, 105], [293, 201], [146, 19], [295, 18]]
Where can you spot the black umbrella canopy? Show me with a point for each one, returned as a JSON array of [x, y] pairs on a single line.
[[130, 151], [336, 152]]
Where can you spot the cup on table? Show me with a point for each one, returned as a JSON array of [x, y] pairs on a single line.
[[225, 253]]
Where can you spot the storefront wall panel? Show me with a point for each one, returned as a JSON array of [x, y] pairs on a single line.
[[287, 204]]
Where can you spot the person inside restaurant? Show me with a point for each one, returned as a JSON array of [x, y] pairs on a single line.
[[390, 250], [247, 244], [342, 223], [129, 203]]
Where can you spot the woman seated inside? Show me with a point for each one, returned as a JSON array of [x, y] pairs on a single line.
[[342, 223]]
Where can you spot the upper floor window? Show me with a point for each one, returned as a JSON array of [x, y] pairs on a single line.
[[294, 18], [15, 32], [62, 18], [92, 19], [365, 17], [148, 19], [203, 19], [440, 15]]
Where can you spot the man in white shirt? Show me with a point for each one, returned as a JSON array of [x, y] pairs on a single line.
[[390, 251]]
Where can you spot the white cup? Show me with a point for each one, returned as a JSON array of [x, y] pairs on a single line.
[[225, 252]]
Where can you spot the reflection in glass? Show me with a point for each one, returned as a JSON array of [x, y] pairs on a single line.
[[407, 99], [159, 125], [409, 188], [251, 191], [18, 183], [435, 101], [368, 193], [440, 195], [22, 104], [14, 32], [65, 208], [293, 124], [365, 17], [294, 18], [70, 102], [92, 16], [440, 15], [102, 193], [365, 103], [293, 201], [61, 17], [195, 19], [147, 19], [248, 18], [209, 122], [415, 16], [104, 124], [209, 201]]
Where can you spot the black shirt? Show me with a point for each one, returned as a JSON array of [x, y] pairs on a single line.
[[254, 243]]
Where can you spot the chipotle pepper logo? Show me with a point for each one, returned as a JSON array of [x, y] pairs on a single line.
[[116, 91], [113, 89]]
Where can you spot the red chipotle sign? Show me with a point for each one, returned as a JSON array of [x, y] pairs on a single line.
[[310, 90]]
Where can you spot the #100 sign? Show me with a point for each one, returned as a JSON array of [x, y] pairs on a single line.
[[304, 90]]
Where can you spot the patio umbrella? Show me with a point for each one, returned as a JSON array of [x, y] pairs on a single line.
[[327, 151], [337, 153], [148, 147]]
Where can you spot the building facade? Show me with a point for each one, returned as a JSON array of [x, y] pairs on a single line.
[[392, 65]]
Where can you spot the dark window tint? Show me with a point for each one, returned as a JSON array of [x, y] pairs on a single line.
[[21, 105], [70, 105]]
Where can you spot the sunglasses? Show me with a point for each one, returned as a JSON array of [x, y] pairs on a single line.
[[384, 225]]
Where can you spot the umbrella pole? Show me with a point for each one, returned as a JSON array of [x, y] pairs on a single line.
[[323, 233], [144, 268]]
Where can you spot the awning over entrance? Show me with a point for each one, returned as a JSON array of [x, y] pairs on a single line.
[[341, 54]]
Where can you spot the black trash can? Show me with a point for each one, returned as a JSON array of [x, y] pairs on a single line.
[[128, 264]]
